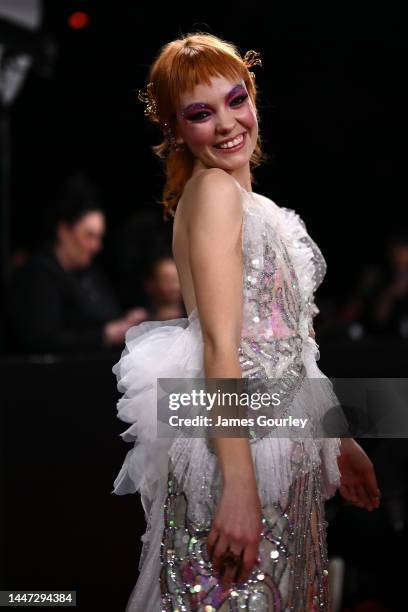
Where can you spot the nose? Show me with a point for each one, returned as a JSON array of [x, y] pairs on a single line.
[[225, 121]]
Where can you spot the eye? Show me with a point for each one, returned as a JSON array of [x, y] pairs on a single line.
[[239, 100], [200, 116]]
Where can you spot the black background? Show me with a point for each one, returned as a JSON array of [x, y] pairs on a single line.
[[333, 108]]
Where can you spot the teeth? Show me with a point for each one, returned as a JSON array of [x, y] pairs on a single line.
[[232, 143]]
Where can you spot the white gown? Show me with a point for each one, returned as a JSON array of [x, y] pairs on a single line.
[[179, 478]]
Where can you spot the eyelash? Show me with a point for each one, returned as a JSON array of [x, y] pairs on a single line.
[[197, 118], [242, 97]]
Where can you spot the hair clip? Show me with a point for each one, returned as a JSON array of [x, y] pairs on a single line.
[[146, 96], [250, 59]]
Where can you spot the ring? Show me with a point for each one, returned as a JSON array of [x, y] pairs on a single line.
[[231, 559]]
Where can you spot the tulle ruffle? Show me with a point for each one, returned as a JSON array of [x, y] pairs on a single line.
[[174, 349], [153, 349]]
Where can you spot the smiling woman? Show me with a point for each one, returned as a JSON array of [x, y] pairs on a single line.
[[234, 523], [195, 102]]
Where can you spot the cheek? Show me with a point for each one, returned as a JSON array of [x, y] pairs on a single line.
[[248, 117], [81, 243], [200, 134]]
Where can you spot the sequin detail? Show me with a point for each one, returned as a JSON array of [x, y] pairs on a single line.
[[292, 568], [272, 339]]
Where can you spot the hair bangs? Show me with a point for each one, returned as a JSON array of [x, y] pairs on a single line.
[[200, 67]]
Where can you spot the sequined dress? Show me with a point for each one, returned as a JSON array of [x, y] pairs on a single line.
[[179, 479]]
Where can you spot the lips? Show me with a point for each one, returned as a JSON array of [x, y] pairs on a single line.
[[231, 144]]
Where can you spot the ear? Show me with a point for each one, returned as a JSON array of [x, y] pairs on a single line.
[[178, 139]]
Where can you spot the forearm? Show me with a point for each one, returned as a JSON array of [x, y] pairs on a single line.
[[345, 443], [233, 453]]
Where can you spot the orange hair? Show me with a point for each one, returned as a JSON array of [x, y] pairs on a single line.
[[180, 66]]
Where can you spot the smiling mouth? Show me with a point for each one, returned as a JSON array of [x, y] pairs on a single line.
[[231, 145]]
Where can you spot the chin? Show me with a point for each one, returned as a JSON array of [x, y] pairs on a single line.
[[231, 165], [229, 161], [233, 161]]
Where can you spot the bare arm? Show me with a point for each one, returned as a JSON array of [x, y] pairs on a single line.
[[358, 480], [215, 251]]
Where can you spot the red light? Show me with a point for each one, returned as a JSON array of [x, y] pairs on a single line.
[[78, 20]]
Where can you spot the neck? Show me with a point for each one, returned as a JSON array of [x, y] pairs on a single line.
[[243, 176]]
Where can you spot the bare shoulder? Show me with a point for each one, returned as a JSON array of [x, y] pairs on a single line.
[[212, 191]]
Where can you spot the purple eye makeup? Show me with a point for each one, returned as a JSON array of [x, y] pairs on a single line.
[[200, 111], [196, 111], [237, 93]]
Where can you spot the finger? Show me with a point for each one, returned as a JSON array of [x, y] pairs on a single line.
[[346, 492], [356, 495], [219, 550], [231, 570], [249, 558], [363, 497], [350, 494], [374, 499], [371, 483]]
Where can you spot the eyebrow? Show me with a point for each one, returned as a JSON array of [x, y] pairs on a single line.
[[200, 105]]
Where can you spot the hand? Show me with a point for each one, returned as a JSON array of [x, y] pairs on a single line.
[[136, 315], [236, 527], [114, 332], [358, 483]]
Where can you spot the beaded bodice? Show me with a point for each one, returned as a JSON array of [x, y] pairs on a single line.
[[282, 268]]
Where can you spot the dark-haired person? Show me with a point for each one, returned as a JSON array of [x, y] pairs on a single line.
[[59, 301], [162, 288]]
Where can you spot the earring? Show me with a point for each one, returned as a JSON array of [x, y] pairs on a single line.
[[168, 133]]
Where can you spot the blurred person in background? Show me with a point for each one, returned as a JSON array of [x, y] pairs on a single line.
[[162, 288], [59, 301], [379, 303], [389, 313], [141, 238]]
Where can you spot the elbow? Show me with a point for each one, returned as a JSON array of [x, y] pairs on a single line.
[[218, 349]]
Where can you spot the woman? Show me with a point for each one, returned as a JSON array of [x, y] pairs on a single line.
[[233, 523], [60, 301]]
